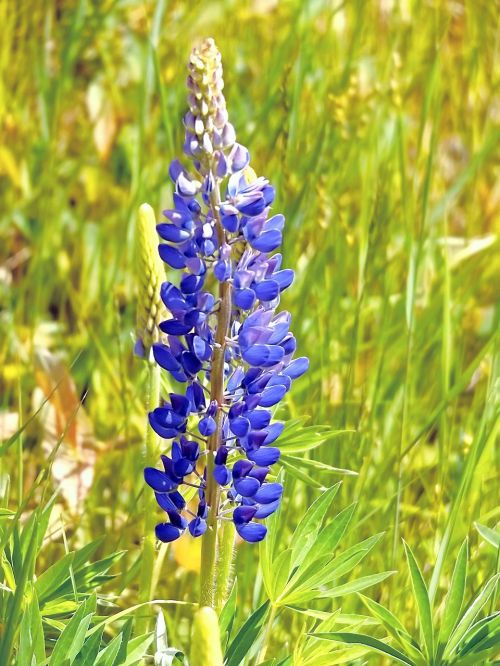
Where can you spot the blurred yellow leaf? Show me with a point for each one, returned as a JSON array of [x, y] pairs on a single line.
[[73, 467]]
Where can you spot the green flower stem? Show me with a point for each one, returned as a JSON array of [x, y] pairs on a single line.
[[148, 544], [208, 572], [224, 564]]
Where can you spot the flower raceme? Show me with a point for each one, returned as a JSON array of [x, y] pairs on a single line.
[[230, 350]]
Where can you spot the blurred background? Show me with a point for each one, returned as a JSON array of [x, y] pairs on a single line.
[[377, 121]]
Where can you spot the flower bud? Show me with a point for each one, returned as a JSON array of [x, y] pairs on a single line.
[[205, 639]]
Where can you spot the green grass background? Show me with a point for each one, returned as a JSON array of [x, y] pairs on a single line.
[[377, 121]]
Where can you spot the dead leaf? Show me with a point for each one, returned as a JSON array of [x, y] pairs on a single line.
[[73, 467]]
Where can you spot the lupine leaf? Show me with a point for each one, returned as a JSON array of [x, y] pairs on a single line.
[[394, 627], [325, 570], [281, 573], [470, 615], [137, 648], [314, 465], [90, 650], [489, 535], [228, 614], [330, 536], [355, 585], [423, 603], [299, 474], [454, 598], [367, 641], [247, 637], [107, 656], [482, 635], [71, 640], [307, 530], [31, 639]]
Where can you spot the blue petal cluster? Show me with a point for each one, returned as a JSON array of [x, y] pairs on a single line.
[[213, 241]]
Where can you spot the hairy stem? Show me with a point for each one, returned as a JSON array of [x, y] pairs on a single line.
[[148, 545], [210, 545], [224, 564]]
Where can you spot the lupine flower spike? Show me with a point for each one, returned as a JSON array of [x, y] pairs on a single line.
[[224, 342]]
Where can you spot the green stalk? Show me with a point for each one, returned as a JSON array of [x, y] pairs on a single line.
[[224, 564], [148, 544], [208, 572]]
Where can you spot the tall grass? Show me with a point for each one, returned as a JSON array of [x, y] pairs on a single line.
[[378, 122]]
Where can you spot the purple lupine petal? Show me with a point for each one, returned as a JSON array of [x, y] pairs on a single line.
[[174, 327], [273, 432], [266, 510], [222, 475], [240, 426], [252, 532], [198, 526], [297, 367], [243, 514], [171, 256], [164, 357], [265, 456], [167, 532], [246, 486], [172, 233], [268, 241], [158, 481], [271, 395], [207, 426], [269, 492]]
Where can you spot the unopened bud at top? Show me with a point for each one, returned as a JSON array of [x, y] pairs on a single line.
[[208, 131]]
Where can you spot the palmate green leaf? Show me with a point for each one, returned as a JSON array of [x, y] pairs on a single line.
[[386, 617], [13, 603], [131, 609], [266, 551], [308, 529], [423, 603], [304, 586], [228, 615], [90, 650], [72, 638], [125, 633], [482, 635], [366, 641], [299, 474], [86, 577], [478, 657], [355, 585], [108, 655], [454, 599], [137, 648], [52, 579], [314, 465], [489, 535], [394, 627], [31, 638], [247, 637], [282, 568], [297, 437], [330, 536], [470, 615]]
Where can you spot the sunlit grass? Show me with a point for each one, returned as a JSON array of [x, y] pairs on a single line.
[[377, 122]]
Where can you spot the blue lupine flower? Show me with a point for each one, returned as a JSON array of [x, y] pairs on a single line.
[[221, 207]]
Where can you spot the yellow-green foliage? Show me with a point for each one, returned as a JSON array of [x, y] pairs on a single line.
[[376, 120]]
